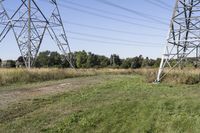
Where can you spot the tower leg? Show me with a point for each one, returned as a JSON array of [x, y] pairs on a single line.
[[29, 34], [57, 32], [161, 68]]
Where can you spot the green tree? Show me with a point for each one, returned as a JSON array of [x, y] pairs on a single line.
[[151, 62], [103, 61], [157, 62], [54, 60], [145, 62], [0, 62], [42, 59], [115, 60], [137, 62], [9, 64], [81, 59], [126, 63], [92, 60], [64, 63], [20, 62]]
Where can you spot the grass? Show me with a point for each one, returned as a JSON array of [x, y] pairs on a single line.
[[24, 76], [119, 104], [186, 76], [14, 76]]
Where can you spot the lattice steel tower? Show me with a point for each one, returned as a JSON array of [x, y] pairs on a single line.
[[29, 23], [183, 41]]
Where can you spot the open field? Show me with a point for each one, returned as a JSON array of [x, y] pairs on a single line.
[[102, 103]]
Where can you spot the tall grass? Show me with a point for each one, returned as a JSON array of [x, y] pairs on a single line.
[[177, 76], [11, 76]]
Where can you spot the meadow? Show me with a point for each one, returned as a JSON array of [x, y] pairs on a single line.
[[99, 100]]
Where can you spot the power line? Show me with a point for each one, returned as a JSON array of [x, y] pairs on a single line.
[[109, 38], [111, 18], [163, 3], [158, 4], [108, 42], [108, 17], [97, 36], [108, 29], [154, 18], [104, 11], [112, 30]]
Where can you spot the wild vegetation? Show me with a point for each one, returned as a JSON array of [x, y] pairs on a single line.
[[82, 59], [176, 76], [14, 76]]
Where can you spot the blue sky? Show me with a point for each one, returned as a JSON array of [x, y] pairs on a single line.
[[145, 37]]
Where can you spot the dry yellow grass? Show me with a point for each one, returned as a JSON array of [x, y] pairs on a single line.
[[10, 76], [177, 76]]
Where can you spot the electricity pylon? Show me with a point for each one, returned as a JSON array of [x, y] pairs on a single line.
[[183, 41], [29, 24]]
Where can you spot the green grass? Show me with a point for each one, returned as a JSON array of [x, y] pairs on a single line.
[[122, 104]]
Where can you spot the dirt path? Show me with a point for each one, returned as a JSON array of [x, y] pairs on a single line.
[[9, 97]]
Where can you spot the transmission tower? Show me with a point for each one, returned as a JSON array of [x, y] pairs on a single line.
[[29, 24], [183, 41]]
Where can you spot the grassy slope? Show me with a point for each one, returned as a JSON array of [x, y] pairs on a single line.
[[122, 104]]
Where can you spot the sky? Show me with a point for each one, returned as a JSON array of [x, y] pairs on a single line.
[[134, 27]]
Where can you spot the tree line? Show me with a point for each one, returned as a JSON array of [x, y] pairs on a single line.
[[83, 59]]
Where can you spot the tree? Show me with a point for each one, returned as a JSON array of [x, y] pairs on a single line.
[[54, 59], [157, 62], [81, 59], [151, 62], [137, 62], [0, 62], [145, 62], [9, 64], [43, 59], [103, 61], [64, 62], [127, 63], [115, 60], [20, 62], [92, 60]]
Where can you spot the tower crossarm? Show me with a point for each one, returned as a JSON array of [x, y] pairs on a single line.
[[5, 24]]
